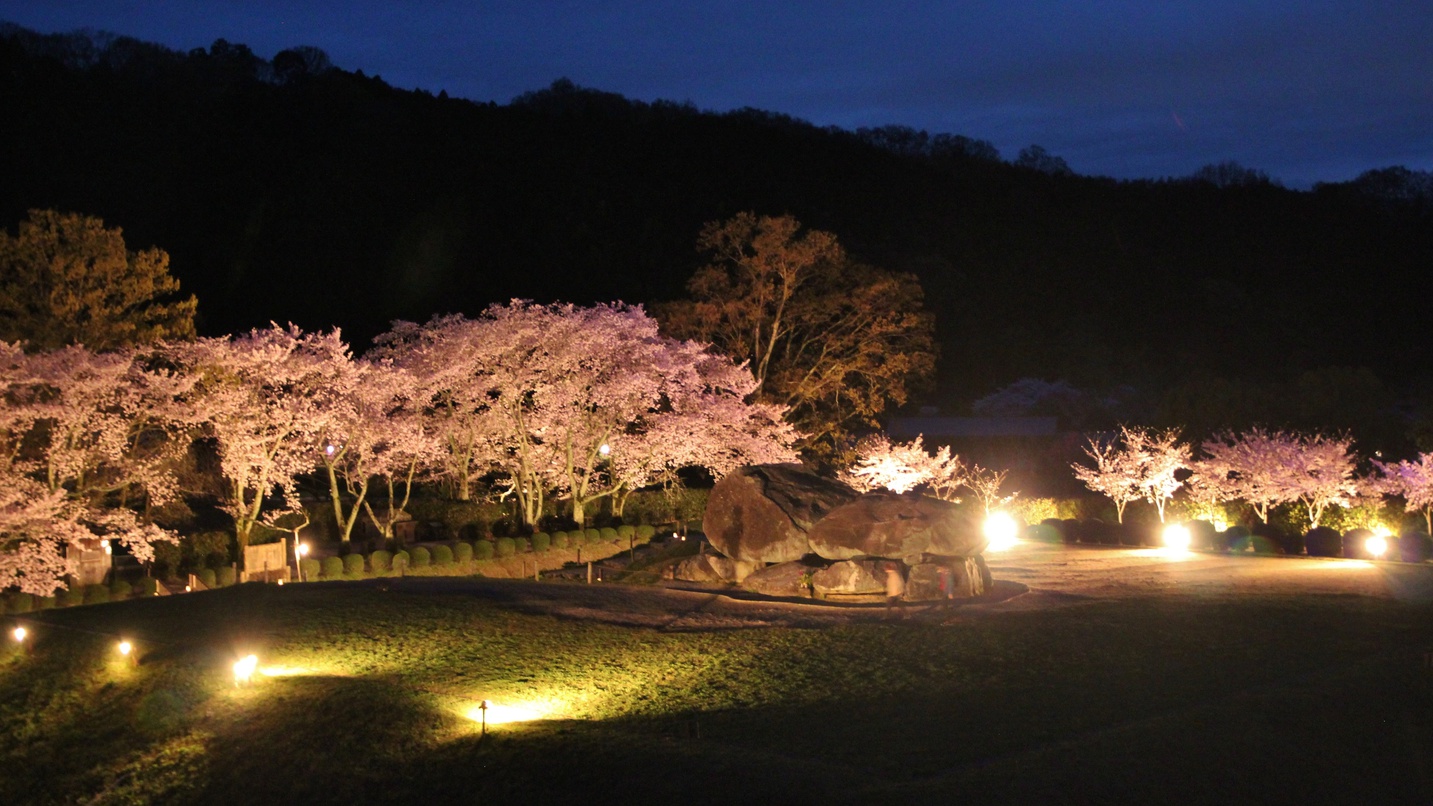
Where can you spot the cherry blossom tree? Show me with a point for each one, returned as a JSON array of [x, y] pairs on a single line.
[[1139, 463], [84, 437], [1322, 474], [901, 467], [268, 398], [1414, 481], [986, 484]]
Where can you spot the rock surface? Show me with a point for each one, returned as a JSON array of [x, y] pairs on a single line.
[[782, 579], [850, 577], [885, 524], [705, 568], [969, 577], [762, 513]]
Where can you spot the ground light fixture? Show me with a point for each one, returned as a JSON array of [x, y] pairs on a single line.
[[1376, 546], [244, 669], [1176, 537], [19, 634], [1000, 531]]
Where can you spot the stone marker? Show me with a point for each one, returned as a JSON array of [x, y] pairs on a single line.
[[762, 513], [898, 526]]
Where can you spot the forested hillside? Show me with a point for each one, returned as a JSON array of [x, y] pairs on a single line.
[[294, 190]]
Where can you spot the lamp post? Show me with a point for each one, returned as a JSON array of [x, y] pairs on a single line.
[[483, 706], [126, 650]]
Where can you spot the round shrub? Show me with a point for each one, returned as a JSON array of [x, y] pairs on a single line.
[[421, 557], [626, 532], [147, 586], [96, 594], [71, 597], [462, 552], [593, 535], [310, 567], [483, 550], [609, 534], [442, 555], [225, 576], [1201, 535], [1236, 538], [1041, 533], [380, 561], [522, 545], [542, 541], [1322, 541], [559, 540], [402, 560], [119, 589], [1353, 544], [332, 567], [645, 531], [206, 576], [21, 603], [44, 602], [505, 546], [1415, 547], [353, 564]]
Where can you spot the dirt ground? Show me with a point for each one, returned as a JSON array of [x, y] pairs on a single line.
[[1028, 577]]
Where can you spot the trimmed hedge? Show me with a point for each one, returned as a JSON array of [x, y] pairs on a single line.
[[72, 597], [462, 551], [225, 576], [522, 545], [353, 564], [609, 534], [645, 531], [442, 555], [483, 550], [332, 567], [1415, 547], [380, 561], [309, 568], [119, 589], [401, 559], [206, 576], [505, 546], [147, 586], [20, 603], [626, 532], [542, 541], [95, 594], [421, 557], [593, 535], [45, 602], [559, 540]]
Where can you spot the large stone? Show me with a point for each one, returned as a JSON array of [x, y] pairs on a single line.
[[923, 583], [705, 568], [782, 579], [850, 577], [762, 513], [885, 524], [969, 577]]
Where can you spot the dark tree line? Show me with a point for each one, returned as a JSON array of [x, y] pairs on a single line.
[[293, 190]]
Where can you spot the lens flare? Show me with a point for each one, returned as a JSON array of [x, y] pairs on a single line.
[[1376, 546], [1000, 531], [1176, 537]]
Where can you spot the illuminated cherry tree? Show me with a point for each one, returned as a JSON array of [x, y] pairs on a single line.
[[268, 399], [85, 436], [1322, 475], [1139, 463], [901, 467], [1414, 481], [1268, 468], [985, 484]]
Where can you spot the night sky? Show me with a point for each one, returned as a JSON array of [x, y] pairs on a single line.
[[1125, 89]]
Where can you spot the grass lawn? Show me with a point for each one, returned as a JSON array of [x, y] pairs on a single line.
[[1285, 698]]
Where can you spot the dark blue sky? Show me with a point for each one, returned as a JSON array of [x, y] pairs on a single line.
[[1127, 89]]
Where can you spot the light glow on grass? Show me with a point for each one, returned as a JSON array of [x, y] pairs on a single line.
[[1000, 531], [244, 669], [1176, 537], [285, 671], [502, 713]]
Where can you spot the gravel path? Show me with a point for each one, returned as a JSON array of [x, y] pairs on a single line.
[[1030, 577]]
